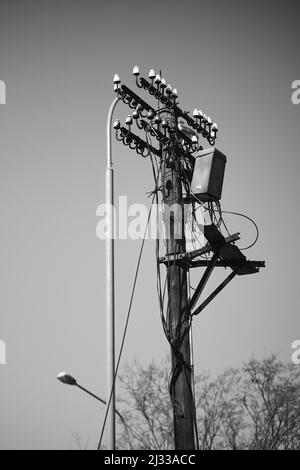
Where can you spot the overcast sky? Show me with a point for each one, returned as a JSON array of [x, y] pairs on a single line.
[[236, 61]]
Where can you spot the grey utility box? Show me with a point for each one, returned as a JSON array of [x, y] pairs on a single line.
[[208, 176]]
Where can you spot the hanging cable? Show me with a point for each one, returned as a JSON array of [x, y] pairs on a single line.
[[126, 326], [252, 221], [193, 391]]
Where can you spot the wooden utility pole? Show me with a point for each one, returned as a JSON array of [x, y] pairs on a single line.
[[178, 321]]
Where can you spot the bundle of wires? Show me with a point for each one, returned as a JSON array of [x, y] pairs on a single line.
[[179, 366], [213, 214]]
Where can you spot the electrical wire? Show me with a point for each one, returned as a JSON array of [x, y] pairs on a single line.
[[156, 169], [252, 221], [220, 221], [193, 394], [183, 173], [126, 326]]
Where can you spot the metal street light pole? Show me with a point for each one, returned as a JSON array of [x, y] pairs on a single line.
[[69, 380], [110, 287]]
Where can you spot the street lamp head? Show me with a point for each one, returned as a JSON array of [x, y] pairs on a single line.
[[196, 113], [175, 93], [66, 379], [136, 71], [163, 83]]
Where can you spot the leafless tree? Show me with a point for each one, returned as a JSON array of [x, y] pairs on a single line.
[[144, 402], [254, 407], [77, 441], [272, 403]]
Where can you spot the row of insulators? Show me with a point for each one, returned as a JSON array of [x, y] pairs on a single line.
[[155, 118], [155, 80], [161, 82], [201, 119]]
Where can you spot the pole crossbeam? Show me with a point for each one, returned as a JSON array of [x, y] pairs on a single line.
[[136, 143], [166, 101], [133, 100], [193, 254], [223, 264]]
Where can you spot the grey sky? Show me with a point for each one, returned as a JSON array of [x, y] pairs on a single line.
[[234, 60]]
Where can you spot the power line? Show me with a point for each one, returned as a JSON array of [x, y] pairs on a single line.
[[126, 326], [252, 221]]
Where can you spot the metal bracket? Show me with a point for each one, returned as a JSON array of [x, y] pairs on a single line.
[[203, 282], [129, 138], [127, 92], [225, 254], [215, 293], [222, 264], [193, 254]]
